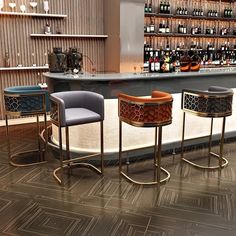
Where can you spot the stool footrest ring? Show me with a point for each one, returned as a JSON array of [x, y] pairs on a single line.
[[162, 181], [22, 154], [224, 163], [86, 165]]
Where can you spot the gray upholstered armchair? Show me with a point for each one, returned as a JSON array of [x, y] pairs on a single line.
[[76, 108]]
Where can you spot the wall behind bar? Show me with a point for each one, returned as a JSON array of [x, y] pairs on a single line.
[[83, 17]]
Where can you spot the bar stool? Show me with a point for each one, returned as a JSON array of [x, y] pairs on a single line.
[[76, 108], [146, 112], [214, 103], [26, 101]]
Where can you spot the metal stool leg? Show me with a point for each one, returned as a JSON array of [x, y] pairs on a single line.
[[120, 146], [182, 143], [221, 159], [102, 146], [8, 139]]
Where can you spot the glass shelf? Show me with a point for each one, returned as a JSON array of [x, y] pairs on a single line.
[[160, 15], [23, 68], [32, 14], [69, 35], [187, 35]]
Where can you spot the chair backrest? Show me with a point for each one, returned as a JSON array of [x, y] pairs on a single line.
[[74, 99], [146, 112], [26, 100], [215, 102]]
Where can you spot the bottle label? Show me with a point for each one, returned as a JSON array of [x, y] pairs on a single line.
[[157, 66]]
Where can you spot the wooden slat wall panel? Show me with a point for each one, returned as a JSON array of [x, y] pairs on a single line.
[[83, 17]]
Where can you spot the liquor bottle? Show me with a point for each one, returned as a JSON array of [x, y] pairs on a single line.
[[161, 7], [162, 62], [7, 60], [156, 63], [185, 11], [146, 8], [173, 61], [162, 27], [195, 62], [201, 12], [151, 63], [167, 28], [168, 8], [150, 7], [152, 27], [167, 47], [184, 29], [148, 28], [164, 7], [178, 10], [185, 62], [180, 28]]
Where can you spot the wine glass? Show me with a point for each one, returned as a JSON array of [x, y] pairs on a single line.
[[93, 70], [33, 4], [46, 6], [22, 8], [46, 58], [12, 5], [33, 58], [1, 5], [18, 60]]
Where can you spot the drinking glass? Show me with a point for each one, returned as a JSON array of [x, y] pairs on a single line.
[[33, 4], [18, 60], [46, 6], [12, 5], [23, 8], [1, 4]]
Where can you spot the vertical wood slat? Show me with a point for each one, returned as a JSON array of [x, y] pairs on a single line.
[[83, 17]]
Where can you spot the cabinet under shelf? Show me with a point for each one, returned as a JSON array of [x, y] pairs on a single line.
[[23, 68], [68, 35], [32, 14]]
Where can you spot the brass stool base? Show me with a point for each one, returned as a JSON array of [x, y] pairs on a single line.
[[224, 163], [162, 181], [22, 154], [86, 165]]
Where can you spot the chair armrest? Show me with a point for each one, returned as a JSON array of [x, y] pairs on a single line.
[[57, 113], [94, 102]]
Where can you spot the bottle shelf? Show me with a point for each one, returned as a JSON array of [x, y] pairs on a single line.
[[174, 16], [23, 68], [68, 36], [188, 35], [4, 13]]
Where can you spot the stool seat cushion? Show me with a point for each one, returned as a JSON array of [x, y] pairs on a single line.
[[78, 116]]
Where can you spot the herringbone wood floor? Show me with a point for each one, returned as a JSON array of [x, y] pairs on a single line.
[[193, 203]]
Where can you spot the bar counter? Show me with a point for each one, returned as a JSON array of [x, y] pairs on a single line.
[[84, 138]]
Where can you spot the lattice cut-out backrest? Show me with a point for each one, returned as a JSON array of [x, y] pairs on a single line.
[[20, 102], [207, 103], [145, 111]]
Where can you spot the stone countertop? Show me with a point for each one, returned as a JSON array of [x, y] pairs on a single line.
[[144, 76]]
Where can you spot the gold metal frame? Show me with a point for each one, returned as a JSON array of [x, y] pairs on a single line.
[[222, 160], [157, 160], [39, 150], [69, 163]]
